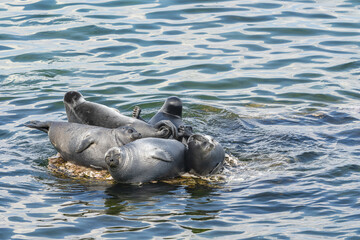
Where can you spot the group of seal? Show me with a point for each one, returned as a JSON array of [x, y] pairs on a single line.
[[131, 149]]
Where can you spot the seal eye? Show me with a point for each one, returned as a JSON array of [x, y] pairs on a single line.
[[130, 131]]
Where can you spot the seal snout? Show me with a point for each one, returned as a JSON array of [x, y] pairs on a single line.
[[132, 132], [198, 139], [112, 157], [136, 135]]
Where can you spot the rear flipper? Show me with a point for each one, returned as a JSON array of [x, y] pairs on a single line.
[[167, 129], [136, 113], [42, 126]]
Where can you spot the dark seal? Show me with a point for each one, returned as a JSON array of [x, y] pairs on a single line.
[[204, 155], [171, 111]]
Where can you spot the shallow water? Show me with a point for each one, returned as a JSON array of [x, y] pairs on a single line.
[[275, 82]]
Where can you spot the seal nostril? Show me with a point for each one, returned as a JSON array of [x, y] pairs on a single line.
[[112, 162], [136, 135]]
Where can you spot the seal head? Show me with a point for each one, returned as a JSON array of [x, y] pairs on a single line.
[[73, 98], [173, 106], [114, 158], [204, 155], [126, 134]]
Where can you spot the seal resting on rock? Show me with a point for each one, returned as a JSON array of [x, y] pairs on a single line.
[[204, 155], [85, 145], [172, 111], [78, 110], [145, 160]]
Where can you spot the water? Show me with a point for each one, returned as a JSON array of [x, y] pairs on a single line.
[[276, 82]]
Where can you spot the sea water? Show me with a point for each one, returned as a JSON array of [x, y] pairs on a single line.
[[275, 82]]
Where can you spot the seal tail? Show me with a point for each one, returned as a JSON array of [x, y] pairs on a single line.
[[42, 126]]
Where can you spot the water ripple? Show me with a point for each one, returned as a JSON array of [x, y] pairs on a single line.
[[276, 83]]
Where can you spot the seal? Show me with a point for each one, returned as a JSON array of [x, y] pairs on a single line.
[[171, 111], [78, 110], [145, 160], [85, 145], [204, 155]]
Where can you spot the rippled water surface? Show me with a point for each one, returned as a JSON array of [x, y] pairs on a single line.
[[275, 82]]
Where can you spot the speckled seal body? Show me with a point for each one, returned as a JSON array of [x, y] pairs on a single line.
[[145, 160], [85, 145]]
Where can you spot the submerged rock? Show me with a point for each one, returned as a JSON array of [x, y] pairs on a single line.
[[62, 168]]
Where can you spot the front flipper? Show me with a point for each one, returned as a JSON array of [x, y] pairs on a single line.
[[161, 155], [96, 167], [85, 144]]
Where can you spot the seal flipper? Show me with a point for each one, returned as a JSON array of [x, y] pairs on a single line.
[[136, 113], [85, 144], [161, 155], [42, 126], [96, 167], [167, 127]]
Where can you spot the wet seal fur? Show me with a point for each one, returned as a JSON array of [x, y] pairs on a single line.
[[78, 110], [204, 155], [171, 110], [145, 160], [85, 145]]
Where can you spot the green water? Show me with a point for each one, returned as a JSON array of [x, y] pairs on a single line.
[[275, 82]]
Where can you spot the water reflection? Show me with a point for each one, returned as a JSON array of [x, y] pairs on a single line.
[[125, 197]]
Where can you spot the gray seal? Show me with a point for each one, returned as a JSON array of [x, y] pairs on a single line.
[[146, 159], [171, 111], [85, 145], [78, 110], [204, 156]]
